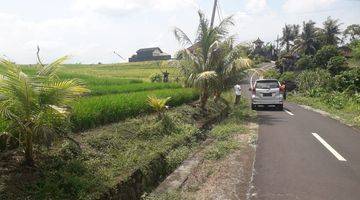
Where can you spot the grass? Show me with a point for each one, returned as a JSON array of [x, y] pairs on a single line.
[[107, 155], [347, 108], [91, 112], [98, 90]]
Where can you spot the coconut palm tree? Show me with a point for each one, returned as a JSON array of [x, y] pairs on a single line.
[[307, 42], [200, 60], [231, 66], [290, 33], [331, 32], [352, 32], [36, 106]]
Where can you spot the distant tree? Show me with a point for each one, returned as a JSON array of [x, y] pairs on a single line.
[[305, 62], [331, 31], [307, 42], [323, 56], [290, 33], [337, 64], [352, 32], [36, 106]]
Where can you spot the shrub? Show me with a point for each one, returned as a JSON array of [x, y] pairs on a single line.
[[287, 77], [337, 64], [271, 74], [156, 78], [348, 81], [305, 62], [94, 111], [323, 56], [311, 79]]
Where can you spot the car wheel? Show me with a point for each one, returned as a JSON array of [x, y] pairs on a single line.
[[281, 107]]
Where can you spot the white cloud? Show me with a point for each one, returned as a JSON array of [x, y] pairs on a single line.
[[298, 6], [256, 5], [125, 6]]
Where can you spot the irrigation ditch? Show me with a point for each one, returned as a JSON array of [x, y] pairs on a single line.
[[145, 179]]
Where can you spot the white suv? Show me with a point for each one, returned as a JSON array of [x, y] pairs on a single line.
[[267, 92]]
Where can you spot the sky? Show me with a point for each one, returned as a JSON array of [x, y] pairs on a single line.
[[91, 30]]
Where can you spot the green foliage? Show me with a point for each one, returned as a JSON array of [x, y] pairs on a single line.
[[337, 64], [94, 111], [177, 156], [356, 50], [348, 81], [272, 74], [310, 79], [305, 62], [287, 76], [323, 56], [221, 149], [35, 106], [156, 78], [97, 90], [331, 31]]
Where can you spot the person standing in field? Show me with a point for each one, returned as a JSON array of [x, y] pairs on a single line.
[[237, 90]]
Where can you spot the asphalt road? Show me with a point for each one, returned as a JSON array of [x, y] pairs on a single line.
[[304, 155]]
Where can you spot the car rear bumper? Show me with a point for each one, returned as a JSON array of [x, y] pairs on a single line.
[[267, 102]]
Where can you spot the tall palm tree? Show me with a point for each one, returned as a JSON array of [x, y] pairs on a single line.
[[331, 32], [36, 106], [290, 33], [307, 42], [231, 66], [201, 59]]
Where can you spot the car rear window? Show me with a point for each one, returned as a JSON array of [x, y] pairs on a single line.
[[267, 84]]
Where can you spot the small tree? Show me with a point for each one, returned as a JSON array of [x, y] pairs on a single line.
[[158, 105], [36, 106], [305, 62], [337, 64], [323, 56]]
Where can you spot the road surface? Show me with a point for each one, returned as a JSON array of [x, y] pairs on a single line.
[[304, 155]]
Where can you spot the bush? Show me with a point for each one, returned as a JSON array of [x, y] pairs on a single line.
[[337, 64], [348, 81], [156, 78], [323, 56], [305, 62], [287, 77], [94, 111], [271, 74], [310, 79]]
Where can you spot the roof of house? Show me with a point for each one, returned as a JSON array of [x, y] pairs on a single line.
[[152, 49]]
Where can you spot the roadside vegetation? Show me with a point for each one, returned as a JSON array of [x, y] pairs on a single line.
[[321, 66], [119, 125]]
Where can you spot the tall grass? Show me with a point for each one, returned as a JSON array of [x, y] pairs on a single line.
[[94, 80], [91, 112], [97, 90]]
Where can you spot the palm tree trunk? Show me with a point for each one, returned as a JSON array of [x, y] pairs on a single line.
[[29, 157], [203, 98]]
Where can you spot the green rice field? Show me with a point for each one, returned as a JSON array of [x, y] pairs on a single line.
[[118, 91]]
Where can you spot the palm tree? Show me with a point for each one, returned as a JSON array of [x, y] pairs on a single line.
[[290, 33], [36, 106], [352, 31], [200, 60], [331, 32], [231, 66], [307, 42]]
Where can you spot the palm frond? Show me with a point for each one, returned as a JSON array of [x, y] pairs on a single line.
[[50, 69], [181, 36]]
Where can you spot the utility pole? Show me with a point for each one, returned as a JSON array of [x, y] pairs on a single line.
[[213, 14]]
